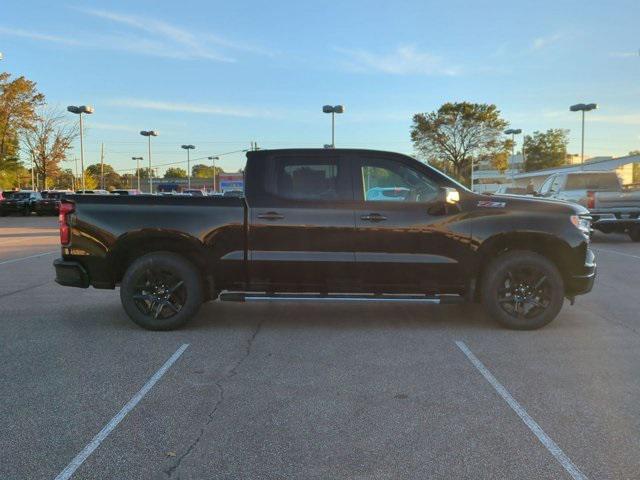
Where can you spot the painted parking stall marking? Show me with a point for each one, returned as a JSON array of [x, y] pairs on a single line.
[[14, 260], [113, 423], [606, 250], [548, 443]]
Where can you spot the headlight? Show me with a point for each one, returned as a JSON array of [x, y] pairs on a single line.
[[582, 222]]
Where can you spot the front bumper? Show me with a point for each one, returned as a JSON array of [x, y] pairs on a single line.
[[581, 283], [70, 274]]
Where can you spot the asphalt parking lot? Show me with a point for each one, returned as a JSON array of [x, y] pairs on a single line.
[[277, 390]]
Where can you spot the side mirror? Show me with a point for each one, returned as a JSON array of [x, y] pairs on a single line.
[[451, 196]]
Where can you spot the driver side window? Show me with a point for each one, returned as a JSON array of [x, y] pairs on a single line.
[[390, 181]]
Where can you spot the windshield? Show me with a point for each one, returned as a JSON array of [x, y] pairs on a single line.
[[18, 195], [52, 195], [593, 181]]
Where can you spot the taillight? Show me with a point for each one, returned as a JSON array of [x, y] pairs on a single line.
[[63, 221], [591, 200]]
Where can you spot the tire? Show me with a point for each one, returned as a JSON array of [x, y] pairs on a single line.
[[161, 291], [634, 233], [523, 290]]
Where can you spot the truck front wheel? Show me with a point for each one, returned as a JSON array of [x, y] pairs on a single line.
[[522, 290], [161, 291]]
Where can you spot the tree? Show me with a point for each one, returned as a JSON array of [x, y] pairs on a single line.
[[19, 100], [204, 171], [66, 180], [545, 149], [47, 142], [90, 182], [175, 172], [111, 178], [457, 133]]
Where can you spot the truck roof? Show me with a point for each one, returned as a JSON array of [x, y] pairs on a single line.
[[320, 150]]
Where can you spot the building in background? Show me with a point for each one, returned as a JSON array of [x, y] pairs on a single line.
[[488, 179]]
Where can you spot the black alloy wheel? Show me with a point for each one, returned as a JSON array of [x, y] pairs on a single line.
[[523, 290], [161, 291]]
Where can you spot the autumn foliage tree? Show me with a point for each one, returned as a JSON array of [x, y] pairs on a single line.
[[19, 99], [545, 149], [457, 134], [47, 141]]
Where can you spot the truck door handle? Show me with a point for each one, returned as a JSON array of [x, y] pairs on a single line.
[[271, 216], [373, 217]]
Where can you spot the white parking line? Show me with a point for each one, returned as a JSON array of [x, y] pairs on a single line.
[[549, 444], [14, 260], [606, 250], [113, 423]]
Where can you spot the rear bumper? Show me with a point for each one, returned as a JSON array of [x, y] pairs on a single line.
[[583, 282], [70, 274]]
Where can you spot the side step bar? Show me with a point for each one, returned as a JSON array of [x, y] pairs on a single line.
[[337, 297]]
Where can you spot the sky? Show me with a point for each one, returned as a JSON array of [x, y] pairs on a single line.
[[219, 75]]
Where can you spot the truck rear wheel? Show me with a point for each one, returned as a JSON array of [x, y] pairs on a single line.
[[634, 233], [522, 290], [161, 291]]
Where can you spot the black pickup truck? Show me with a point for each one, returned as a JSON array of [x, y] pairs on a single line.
[[329, 224]]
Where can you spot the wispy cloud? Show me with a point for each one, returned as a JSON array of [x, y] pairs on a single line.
[[146, 36], [18, 32], [625, 54], [404, 60], [545, 41], [161, 105], [193, 44]]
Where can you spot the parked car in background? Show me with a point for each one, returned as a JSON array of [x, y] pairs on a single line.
[[613, 208], [125, 192], [49, 204], [306, 230], [92, 192], [194, 192], [21, 202], [233, 193]]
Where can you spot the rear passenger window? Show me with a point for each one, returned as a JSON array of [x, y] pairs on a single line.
[[301, 178]]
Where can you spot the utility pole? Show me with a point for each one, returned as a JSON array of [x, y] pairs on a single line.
[[33, 178], [102, 165]]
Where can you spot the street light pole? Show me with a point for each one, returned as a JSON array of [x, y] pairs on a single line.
[[187, 148], [513, 132], [213, 160], [79, 111], [149, 134], [333, 110], [137, 159], [582, 107]]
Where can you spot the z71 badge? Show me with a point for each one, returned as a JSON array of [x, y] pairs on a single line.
[[490, 204]]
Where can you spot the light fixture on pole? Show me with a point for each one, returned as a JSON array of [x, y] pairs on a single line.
[[213, 160], [149, 134], [137, 159], [79, 110], [513, 132], [333, 110], [583, 107], [187, 148]]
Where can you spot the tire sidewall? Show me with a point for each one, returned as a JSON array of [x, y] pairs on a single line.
[[494, 274], [179, 266]]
